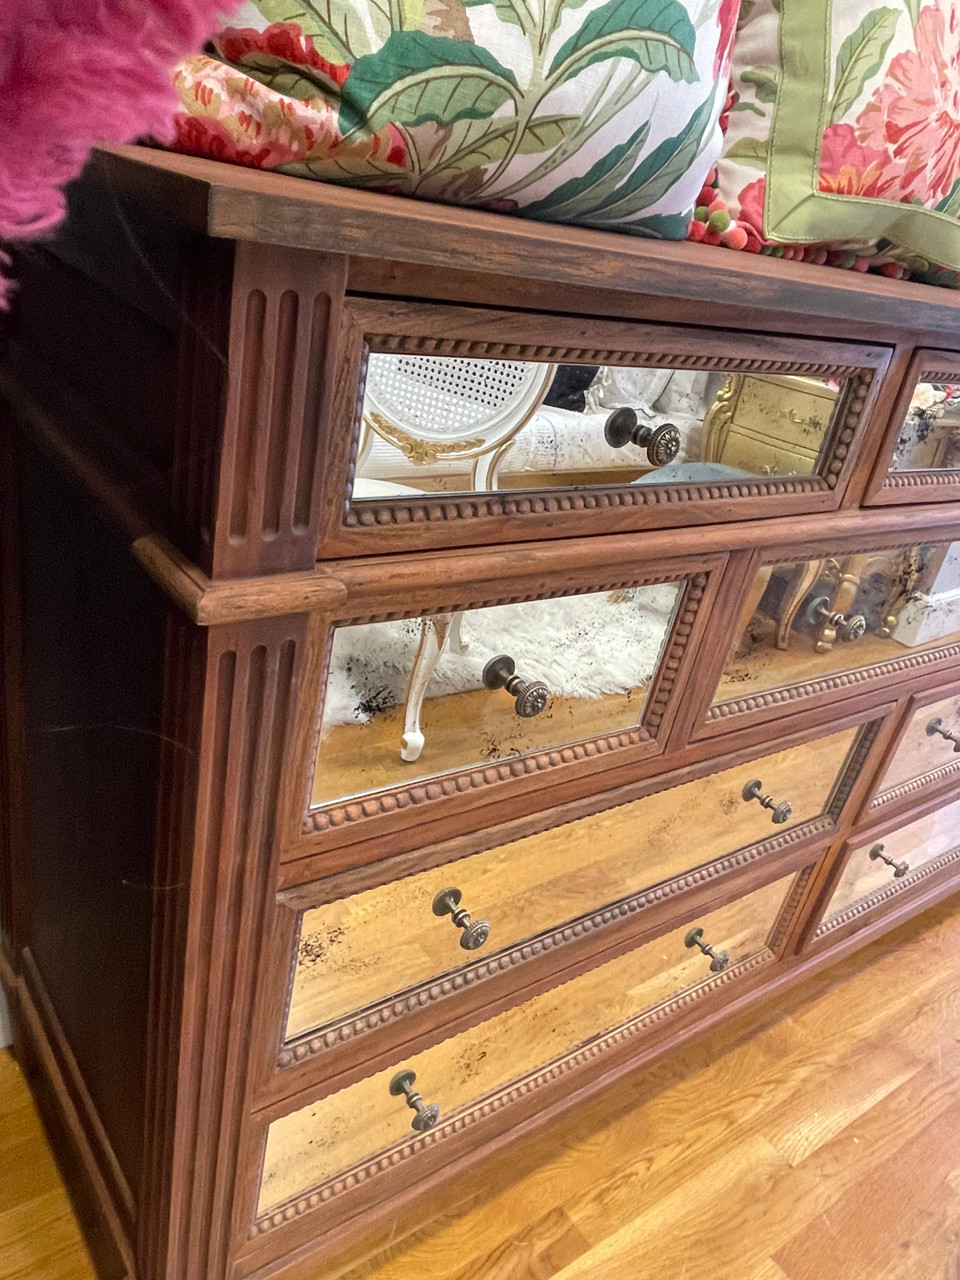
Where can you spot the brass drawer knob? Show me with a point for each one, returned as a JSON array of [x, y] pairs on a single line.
[[753, 790], [718, 959], [427, 1113], [900, 869], [936, 727], [474, 933], [848, 627], [531, 696], [661, 443]]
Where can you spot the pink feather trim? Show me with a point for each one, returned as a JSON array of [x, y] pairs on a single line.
[[77, 72]]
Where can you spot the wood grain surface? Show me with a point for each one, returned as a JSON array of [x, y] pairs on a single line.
[[818, 1142], [367, 946]]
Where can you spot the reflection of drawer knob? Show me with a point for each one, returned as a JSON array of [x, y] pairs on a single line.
[[427, 1113], [718, 960], [847, 626], [531, 696], [661, 443], [475, 932], [899, 868], [753, 791], [936, 726]]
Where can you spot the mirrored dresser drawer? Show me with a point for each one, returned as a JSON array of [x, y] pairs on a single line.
[[469, 701], [814, 629], [920, 461], [360, 1139], [877, 872], [456, 426], [927, 754], [380, 959]]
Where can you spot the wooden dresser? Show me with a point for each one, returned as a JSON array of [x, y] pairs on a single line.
[[366, 804]]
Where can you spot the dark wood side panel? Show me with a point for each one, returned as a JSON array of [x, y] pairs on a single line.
[[231, 695], [93, 649]]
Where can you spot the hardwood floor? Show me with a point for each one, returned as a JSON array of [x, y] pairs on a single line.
[[818, 1140]]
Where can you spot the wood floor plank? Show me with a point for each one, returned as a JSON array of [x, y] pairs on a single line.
[[867, 1224]]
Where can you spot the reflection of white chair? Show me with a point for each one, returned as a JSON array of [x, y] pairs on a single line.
[[435, 409], [442, 409]]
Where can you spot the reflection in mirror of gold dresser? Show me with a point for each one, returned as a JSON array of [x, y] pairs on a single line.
[[769, 425]]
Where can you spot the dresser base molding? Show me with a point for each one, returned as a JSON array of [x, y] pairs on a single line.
[[86, 1166], [292, 1246]]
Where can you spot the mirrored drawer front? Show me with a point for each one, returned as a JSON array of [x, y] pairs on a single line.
[[930, 431], [365, 1126], [382, 949], [446, 424], [413, 698], [808, 622], [928, 752], [882, 869]]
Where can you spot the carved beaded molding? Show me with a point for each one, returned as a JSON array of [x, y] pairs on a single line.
[[888, 891], [427, 510], [851, 770], [405, 1003], [480, 1111], [931, 779], [830, 684], [789, 908], [428, 790], [920, 479]]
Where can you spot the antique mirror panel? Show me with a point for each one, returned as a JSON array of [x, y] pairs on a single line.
[[451, 425], [930, 432], [412, 698], [811, 618]]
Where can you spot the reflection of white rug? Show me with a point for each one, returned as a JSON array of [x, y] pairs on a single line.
[[579, 646]]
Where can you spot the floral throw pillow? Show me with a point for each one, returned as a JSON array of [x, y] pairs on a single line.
[[601, 112], [846, 131]]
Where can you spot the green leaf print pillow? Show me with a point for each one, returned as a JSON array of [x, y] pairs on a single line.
[[601, 112]]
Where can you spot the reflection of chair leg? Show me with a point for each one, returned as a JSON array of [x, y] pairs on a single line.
[[757, 589], [434, 634], [807, 574], [845, 592]]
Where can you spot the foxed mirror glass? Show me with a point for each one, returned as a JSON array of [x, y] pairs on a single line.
[[810, 618], [930, 435], [439, 424], [415, 697]]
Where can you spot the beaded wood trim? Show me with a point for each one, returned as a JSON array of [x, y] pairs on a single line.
[[891, 890], [830, 684], [789, 908], [851, 770], [428, 790], [925, 780], [921, 479], [404, 1003], [493, 1103], [439, 509], [940, 375]]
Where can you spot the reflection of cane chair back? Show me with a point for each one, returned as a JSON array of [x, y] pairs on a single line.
[[441, 409], [438, 409]]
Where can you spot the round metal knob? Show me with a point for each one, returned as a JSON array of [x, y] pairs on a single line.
[[900, 869], [530, 697], [753, 790], [936, 727], [661, 443], [474, 933], [719, 960], [847, 626], [427, 1114]]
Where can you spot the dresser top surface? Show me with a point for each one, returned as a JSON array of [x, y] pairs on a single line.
[[235, 203]]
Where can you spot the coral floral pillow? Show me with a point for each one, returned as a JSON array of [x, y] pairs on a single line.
[[846, 131], [594, 111]]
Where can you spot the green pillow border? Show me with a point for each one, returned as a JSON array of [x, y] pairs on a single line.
[[795, 210]]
